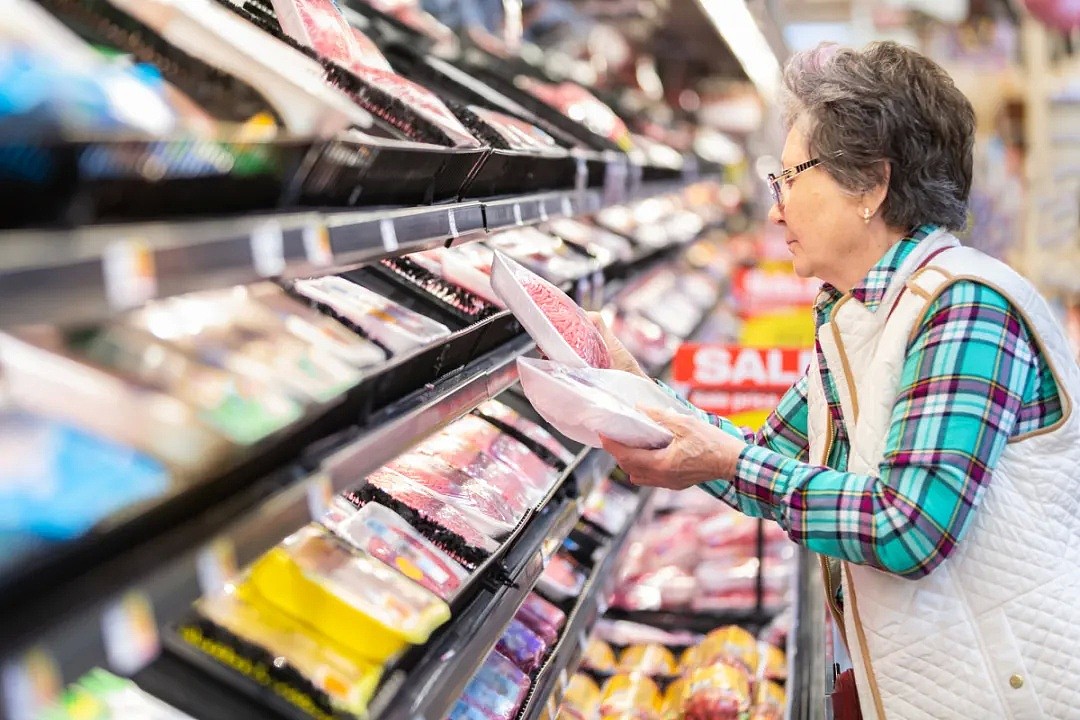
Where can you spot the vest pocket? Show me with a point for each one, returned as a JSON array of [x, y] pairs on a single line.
[[1006, 662]]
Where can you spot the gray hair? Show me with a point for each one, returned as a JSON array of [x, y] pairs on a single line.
[[886, 103]]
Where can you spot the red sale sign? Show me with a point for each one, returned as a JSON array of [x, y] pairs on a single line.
[[757, 290], [731, 380]]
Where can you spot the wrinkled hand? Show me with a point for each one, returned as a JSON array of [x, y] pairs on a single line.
[[699, 452], [621, 359]]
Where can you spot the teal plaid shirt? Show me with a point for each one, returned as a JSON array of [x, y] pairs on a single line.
[[973, 378]]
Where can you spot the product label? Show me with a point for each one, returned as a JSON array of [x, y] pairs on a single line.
[[268, 249], [129, 274], [317, 245], [389, 235], [130, 633]]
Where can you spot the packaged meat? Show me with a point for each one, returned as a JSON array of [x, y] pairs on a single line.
[[581, 698], [496, 692], [652, 660], [719, 691], [560, 328], [385, 536], [675, 699], [392, 325], [531, 468], [457, 450], [312, 327], [100, 695], [610, 505], [606, 246], [689, 659], [770, 701], [319, 25], [469, 306], [495, 516], [548, 634], [57, 481], [631, 696], [517, 134], [599, 656], [369, 609], [772, 664], [649, 343], [585, 403], [271, 649], [508, 416], [432, 507], [670, 588], [730, 643], [562, 578], [522, 646], [576, 102], [543, 611], [545, 254]]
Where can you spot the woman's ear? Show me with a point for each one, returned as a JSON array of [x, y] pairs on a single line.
[[874, 198]]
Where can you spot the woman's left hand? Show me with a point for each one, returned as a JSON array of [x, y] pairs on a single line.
[[700, 452]]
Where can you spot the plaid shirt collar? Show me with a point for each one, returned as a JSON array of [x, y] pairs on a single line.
[[872, 289]]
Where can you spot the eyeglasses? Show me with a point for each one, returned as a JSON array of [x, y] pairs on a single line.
[[787, 176]]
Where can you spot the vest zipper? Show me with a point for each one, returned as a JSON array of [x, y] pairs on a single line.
[[830, 431]]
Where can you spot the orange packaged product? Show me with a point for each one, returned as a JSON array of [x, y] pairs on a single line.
[[675, 699], [769, 702], [720, 691], [772, 663], [731, 643], [690, 659], [598, 656], [581, 699], [632, 696], [651, 659]]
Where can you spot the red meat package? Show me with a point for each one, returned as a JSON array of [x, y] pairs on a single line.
[[537, 610], [386, 536], [522, 646], [460, 452], [578, 103], [666, 589], [562, 579], [432, 507], [507, 415], [467, 266], [483, 502], [496, 692], [518, 134], [610, 505], [530, 467], [560, 328]]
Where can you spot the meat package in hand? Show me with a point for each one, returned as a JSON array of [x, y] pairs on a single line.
[[507, 415], [560, 328]]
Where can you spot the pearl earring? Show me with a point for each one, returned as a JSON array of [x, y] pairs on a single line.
[[866, 215]]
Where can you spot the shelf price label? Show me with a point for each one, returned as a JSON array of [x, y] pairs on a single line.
[[567, 206], [453, 225], [517, 214], [130, 633], [581, 175], [268, 249], [31, 685], [129, 274], [320, 493], [317, 245], [215, 566], [389, 235]]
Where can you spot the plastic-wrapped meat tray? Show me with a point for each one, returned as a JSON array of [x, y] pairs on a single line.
[[464, 304]]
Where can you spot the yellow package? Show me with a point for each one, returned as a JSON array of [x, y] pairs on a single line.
[[651, 659], [286, 645], [598, 656], [769, 702], [674, 699], [582, 697], [690, 659], [772, 664], [729, 643], [720, 691], [365, 606], [632, 696]]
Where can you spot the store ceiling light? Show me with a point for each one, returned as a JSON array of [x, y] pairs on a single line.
[[732, 19]]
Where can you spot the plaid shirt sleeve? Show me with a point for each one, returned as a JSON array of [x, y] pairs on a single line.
[[964, 383]]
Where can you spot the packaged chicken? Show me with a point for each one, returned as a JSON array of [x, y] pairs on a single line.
[[496, 410], [270, 648], [630, 697], [718, 691], [772, 664], [562, 578], [496, 692], [522, 646], [384, 535], [770, 701], [675, 699], [531, 468], [371, 610], [581, 700], [650, 659], [730, 643], [599, 656], [392, 325]]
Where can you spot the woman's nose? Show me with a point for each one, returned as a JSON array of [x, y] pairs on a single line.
[[776, 214]]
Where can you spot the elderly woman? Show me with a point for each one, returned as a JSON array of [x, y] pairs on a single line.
[[932, 446]]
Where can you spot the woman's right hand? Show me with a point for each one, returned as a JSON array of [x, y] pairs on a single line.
[[621, 359]]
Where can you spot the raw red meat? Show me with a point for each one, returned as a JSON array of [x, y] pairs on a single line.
[[579, 105], [437, 475], [562, 579], [530, 468], [570, 320], [531, 430], [500, 479], [518, 134]]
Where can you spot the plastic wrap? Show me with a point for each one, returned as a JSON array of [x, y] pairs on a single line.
[[467, 266], [544, 254], [537, 610], [560, 328], [598, 241], [631, 697], [720, 691], [585, 403], [599, 656], [517, 134], [384, 535], [579, 104], [369, 609], [610, 506], [562, 578], [482, 500], [505, 414], [530, 467], [730, 643], [100, 695], [669, 588], [57, 482], [460, 452], [651, 659], [522, 646], [385, 321], [469, 305], [496, 692]]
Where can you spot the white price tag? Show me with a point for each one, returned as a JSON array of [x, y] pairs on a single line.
[[453, 225], [268, 249], [517, 214], [215, 566], [32, 684], [129, 274], [389, 235], [130, 633], [581, 176], [544, 217], [317, 245], [567, 206], [564, 681], [320, 493]]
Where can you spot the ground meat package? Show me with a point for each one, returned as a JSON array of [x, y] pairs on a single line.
[[385, 321], [496, 692], [583, 403], [483, 501], [385, 536], [522, 646], [505, 414]]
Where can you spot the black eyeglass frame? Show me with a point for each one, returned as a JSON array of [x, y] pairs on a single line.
[[789, 174]]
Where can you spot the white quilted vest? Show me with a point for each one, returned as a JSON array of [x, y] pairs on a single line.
[[993, 632]]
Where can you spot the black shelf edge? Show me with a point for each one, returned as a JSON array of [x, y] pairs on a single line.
[[565, 657], [809, 677], [181, 564], [88, 273]]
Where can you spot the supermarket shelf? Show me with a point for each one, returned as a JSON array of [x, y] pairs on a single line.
[[70, 625], [807, 671], [87, 273], [551, 680]]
